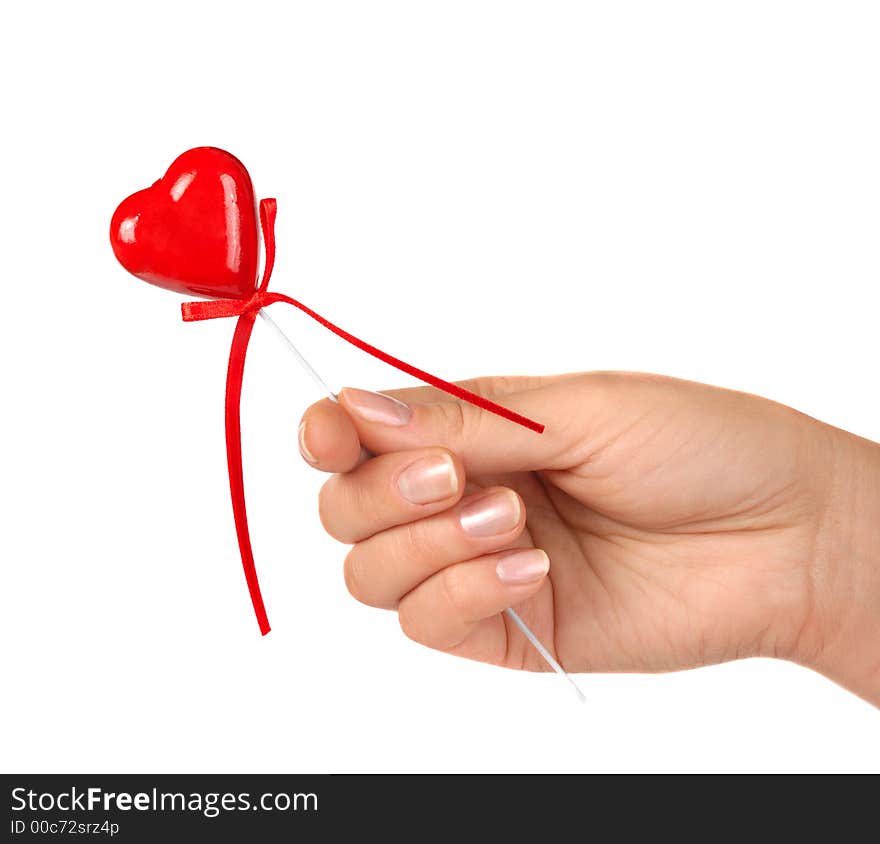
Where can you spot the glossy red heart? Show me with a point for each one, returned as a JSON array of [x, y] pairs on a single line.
[[195, 230]]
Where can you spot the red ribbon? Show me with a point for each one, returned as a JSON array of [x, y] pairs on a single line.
[[246, 311]]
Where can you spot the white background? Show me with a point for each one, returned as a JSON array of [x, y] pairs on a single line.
[[481, 188]]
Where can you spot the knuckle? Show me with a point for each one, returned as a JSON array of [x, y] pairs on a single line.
[[326, 499], [476, 385], [456, 593], [411, 623], [417, 547], [411, 542], [489, 385], [454, 419], [364, 580], [332, 501], [355, 577], [494, 385]]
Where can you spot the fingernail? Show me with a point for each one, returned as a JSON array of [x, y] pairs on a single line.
[[303, 448], [497, 512], [520, 567], [376, 407], [428, 479]]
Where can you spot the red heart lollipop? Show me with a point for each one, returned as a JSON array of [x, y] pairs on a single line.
[[195, 230]]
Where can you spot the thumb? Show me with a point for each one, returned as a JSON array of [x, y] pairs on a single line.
[[485, 442]]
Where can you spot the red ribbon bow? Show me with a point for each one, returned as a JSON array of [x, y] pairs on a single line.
[[246, 311]]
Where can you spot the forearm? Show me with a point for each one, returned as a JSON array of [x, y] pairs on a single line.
[[844, 643]]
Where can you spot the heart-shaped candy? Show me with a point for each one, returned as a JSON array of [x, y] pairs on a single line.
[[195, 230]]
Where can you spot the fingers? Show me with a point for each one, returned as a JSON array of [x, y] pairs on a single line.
[[444, 610], [485, 442], [383, 568], [449, 566], [328, 439], [390, 490]]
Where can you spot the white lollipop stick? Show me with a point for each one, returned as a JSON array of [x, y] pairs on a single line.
[[533, 639], [548, 657], [297, 354]]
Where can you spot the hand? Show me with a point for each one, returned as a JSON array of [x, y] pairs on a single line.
[[656, 525]]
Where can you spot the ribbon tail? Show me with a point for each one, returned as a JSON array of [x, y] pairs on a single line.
[[234, 377], [409, 369]]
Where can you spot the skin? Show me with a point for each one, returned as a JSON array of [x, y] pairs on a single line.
[[685, 525]]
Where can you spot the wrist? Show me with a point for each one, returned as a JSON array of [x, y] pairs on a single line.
[[842, 640]]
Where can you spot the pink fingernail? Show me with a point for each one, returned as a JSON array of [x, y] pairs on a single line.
[[428, 479], [376, 407], [497, 512], [519, 567], [303, 448]]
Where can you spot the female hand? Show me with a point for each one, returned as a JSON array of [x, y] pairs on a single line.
[[657, 524]]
